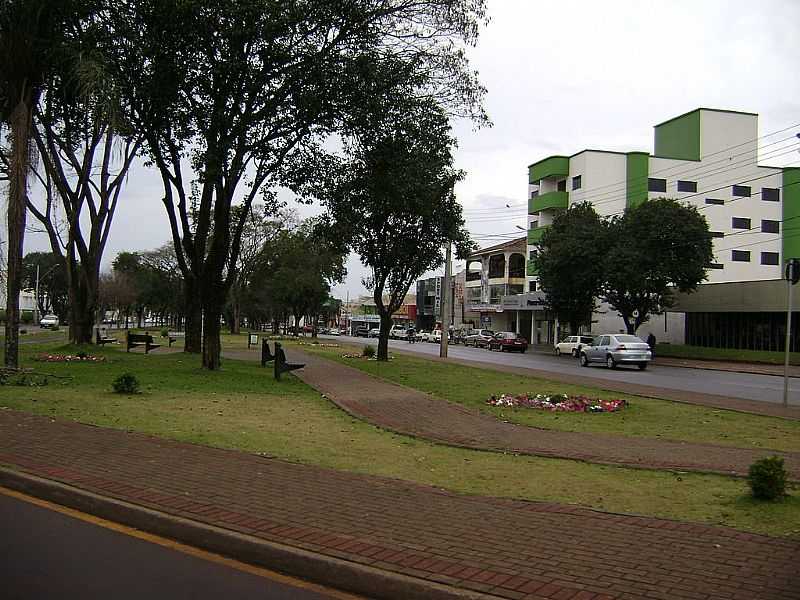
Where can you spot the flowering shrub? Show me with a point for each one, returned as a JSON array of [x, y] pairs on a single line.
[[318, 345], [80, 357], [361, 356], [557, 403]]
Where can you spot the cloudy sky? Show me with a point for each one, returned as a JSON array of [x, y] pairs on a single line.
[[574, 74]]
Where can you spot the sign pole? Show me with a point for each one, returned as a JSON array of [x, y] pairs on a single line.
[[789, 285]]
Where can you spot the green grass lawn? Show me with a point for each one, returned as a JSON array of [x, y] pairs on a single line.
[[726, 354], [242, 407], [645, 417]]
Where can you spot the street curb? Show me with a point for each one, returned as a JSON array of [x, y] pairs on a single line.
[[318, 568]]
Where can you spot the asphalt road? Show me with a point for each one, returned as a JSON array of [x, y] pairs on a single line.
[[47, 554], [765, 388]]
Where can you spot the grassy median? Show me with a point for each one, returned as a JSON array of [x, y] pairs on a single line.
[[242, 407]]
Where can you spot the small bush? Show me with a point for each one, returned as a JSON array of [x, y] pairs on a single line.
[[126, 384], [369, 351], [26, 317], [164, 332], [767, 478], [54, 328], [23, 331]]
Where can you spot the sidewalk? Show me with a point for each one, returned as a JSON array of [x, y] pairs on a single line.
[[411, 412], [387, 538]]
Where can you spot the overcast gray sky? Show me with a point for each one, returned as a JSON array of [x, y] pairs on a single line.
[[574, 74]]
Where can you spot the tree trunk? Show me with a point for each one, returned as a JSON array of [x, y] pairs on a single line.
[[17, 214], [83, 302], [383, 336], [212, 348], [193, 341]]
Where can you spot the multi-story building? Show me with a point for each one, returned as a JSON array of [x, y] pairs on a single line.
[[707, 158]]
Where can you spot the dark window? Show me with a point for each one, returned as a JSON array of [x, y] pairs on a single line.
[[534, 193], [576, 182], [740, 223], [768, 226], [532, 286], [657, 185], [516, 265], [769, 258], [771, 194], [716, 234], [715, 266], [715, 201], [740, 255], [532, 254], [741, 190], [687, 186], [562, 185]]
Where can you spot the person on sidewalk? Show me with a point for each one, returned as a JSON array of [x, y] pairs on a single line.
[[412, 335], [651, 341]]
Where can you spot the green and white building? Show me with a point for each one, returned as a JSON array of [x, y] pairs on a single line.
[[709, 158]]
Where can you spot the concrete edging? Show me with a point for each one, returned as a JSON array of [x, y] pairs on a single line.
[[318, 568]]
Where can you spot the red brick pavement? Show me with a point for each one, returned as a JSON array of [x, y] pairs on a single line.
[[415, 413], [508, 548]]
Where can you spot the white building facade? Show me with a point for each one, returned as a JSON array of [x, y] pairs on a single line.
[[709, 159]]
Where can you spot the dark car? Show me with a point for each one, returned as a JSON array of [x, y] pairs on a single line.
[[508, 341]]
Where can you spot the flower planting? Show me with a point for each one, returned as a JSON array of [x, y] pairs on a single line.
[[557, 403], [61, 358]]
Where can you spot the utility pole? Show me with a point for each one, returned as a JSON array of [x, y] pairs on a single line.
[[792, 277], [37, 316], [446, 304]]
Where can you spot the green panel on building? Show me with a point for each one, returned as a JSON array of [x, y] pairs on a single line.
[[552, 166], [679, 137], [550, 200], [535, 234], [636, 171], [790, 233], [531, 269]]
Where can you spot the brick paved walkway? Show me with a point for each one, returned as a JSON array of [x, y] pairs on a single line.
[[408, 411], [511, 549]]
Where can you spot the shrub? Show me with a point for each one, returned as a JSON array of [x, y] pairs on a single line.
[[54, 328], [126, 384], [369, 351], [164, 332], [767, 478], [26, 316], [23, 331]]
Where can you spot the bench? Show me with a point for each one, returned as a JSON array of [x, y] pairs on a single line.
[[174, 336], [266, 355], [102, 340], [137, 339], [281, 366]]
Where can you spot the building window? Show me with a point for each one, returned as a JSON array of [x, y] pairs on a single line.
[[516, 265], [740, 255], [687, 186], [740, 223], [656, 185], [714, 266], [497, 266], [562, 185], [532, 286], [770, 258], [742, 191], [515, 290], [496, 293], [534, 194], [533, 254], [716, 234], [576, 182], [768, 226], [771, 194], [715, 201]]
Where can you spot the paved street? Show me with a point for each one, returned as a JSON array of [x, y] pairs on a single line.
[[763, 388], [47, 554]]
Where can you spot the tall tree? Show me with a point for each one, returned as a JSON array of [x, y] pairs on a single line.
[[395, 195], [30, 32], [569, 261], [227, 91], [658, 246]]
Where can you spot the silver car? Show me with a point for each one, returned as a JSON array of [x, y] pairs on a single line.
[[616, 349]]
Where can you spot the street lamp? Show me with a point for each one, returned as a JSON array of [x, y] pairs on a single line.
[[36, 299]]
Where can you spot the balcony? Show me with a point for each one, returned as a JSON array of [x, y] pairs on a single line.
[[535, 235], [548, 201], [553, 166]]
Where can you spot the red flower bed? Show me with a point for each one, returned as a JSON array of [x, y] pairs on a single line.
[[557, 403]]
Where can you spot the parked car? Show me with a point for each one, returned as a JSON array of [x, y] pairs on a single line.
[[616, 349], [572, 344], [374, 332], [435, 336], [508, 341], [478, 337], [334, 331], [424, 336], [398, 332], [49, 321], [362, 331]]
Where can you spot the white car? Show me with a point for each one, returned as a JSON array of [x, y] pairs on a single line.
[[49, 321], [374, 332], [398, 332], [334, 331], [616, 349], [572, 344], [435, 336]]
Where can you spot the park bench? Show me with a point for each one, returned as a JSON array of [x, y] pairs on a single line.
[[102, 340], [281, 365], [266, 355], [138, 339], [174, 336]]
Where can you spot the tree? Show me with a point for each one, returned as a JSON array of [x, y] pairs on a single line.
[[395, 195], [53, 289], [570, 266], [659, 245], [230, 92], [30, 32]]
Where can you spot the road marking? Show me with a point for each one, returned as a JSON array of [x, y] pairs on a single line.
[[179, 547]]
